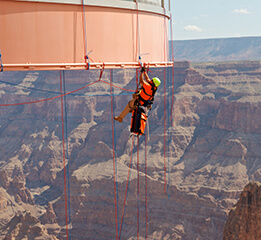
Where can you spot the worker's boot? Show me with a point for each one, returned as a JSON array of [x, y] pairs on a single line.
[[119, 119]]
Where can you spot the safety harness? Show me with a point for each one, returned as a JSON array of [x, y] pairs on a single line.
[[139, 115], [146, 98]]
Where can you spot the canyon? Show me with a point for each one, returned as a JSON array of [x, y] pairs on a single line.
[[57, 165]]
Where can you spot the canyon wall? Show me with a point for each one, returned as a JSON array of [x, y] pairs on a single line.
[[211, 151]]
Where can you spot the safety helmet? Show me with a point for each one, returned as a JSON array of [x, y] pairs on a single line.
[[156, 81]]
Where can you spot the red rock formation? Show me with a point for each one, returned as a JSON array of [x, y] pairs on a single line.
[[244, 219]]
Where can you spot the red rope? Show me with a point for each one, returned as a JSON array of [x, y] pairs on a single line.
[[165, 42], [137, 79], [172, 55], [127, 185], [60, 96], [146, 187], [114, 163], [68, 93], [64, 169], [165, 179], [138, 175], [86, 58], [47, 99], [129, 90], [138, 189], [101, 72], [137, 32]]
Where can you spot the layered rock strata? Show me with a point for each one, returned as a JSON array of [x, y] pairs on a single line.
[[211, 151]]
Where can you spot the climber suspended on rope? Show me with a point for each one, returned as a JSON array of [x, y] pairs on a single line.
[[141, 102], [144, 95]]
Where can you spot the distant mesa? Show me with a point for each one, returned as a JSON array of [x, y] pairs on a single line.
[[220, 49]]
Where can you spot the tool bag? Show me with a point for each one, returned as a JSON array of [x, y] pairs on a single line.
[[138, 121]]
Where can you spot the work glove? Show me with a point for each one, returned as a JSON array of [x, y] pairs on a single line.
[[143, 69]]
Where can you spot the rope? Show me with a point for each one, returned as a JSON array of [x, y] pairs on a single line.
[[129, 173], [137, 79], [138, 190], [138, 175], [86, 57], [53, 92], [124, 89], [164, 124], [114, 164], [101, 72], [137, 34], [60, 96], [146, 187], [168, 131], [47, 99], [64, 172], [67, 153], [127, 189], [172, 56], [165, 32]]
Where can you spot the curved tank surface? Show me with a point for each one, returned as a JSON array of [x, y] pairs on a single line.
[[77, 34]]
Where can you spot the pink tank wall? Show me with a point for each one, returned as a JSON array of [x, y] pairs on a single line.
[[50, 35]]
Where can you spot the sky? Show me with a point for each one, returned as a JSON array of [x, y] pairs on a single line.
[[204, 19]]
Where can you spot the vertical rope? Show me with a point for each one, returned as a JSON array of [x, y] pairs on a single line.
[[67, 152], [146, 187], [168, 130], [63, 145], [137, 78], [164, 154], [127, 189], [86, 55], [137, 34], [84, 28], [138, 190], [114, 160], [172, 56], [165, 32]]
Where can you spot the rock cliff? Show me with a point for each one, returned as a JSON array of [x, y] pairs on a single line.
[[25, 226], [244, 219], [211, 151]]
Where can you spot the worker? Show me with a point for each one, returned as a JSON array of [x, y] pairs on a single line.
[[143, 97]]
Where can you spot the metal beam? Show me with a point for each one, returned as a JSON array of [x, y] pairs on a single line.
[[80, 66]]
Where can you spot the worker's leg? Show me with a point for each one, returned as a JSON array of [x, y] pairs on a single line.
[[129, 107]]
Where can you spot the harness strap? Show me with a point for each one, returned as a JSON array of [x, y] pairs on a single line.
[[151, 96]]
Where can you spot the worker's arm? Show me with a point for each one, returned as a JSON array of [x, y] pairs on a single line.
[[142, 75], [141, 78], [147, 77]]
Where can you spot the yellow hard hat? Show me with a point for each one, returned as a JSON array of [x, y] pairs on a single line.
[[156, 81]]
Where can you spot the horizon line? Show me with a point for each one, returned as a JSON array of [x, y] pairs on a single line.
[[199, 39]]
